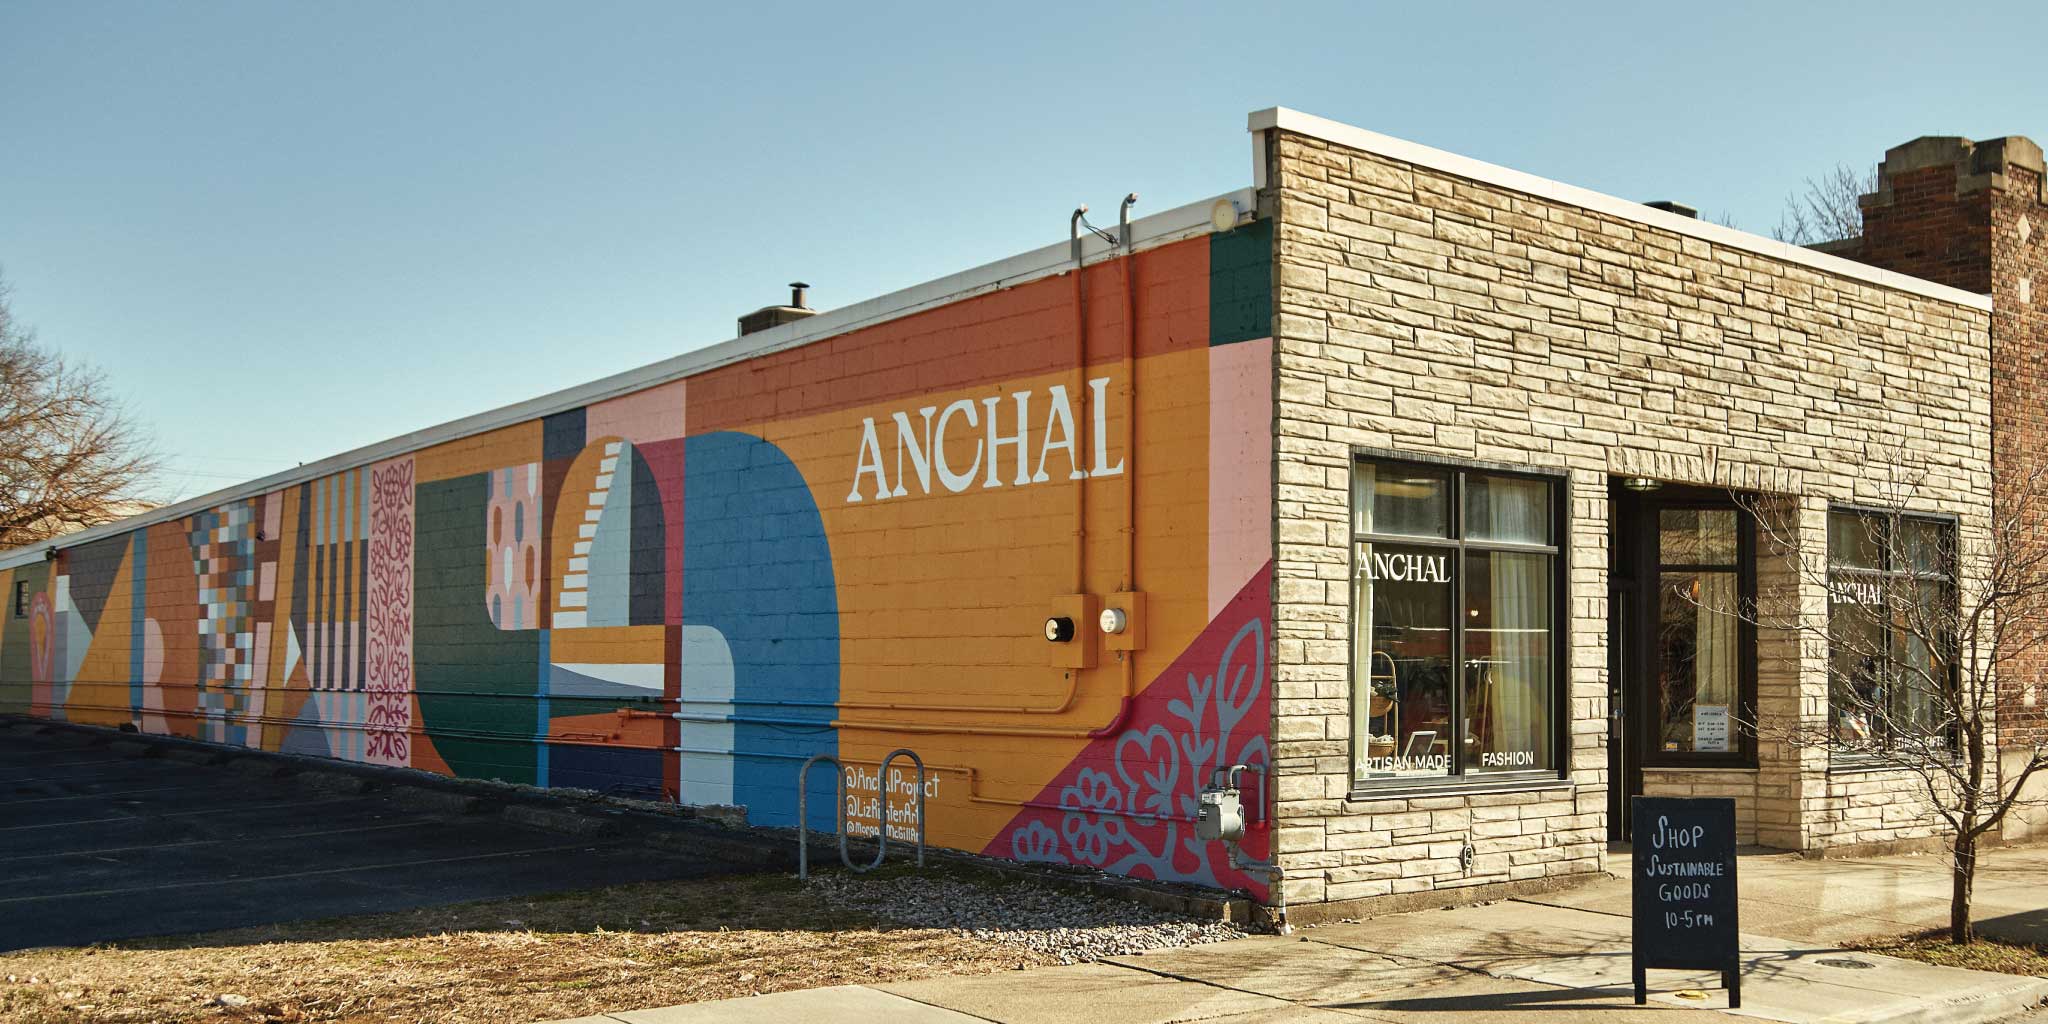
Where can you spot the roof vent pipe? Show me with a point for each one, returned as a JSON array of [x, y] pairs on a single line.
[[775, 316]]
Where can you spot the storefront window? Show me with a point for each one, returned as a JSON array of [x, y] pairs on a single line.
[[1454, 639], [1403, 501], [1891, 607]]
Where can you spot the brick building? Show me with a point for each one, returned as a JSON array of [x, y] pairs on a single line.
[[1378, 476]]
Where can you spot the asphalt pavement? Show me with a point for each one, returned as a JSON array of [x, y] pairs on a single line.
[[106, 838]]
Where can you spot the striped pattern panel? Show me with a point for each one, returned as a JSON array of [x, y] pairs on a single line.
[[339, 546]]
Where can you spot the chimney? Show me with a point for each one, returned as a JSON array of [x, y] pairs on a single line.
[[775, 316], [1668, 206], [1953, 210]]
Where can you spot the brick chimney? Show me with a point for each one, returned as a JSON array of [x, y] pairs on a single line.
[[1975, 215], [1947, 208]]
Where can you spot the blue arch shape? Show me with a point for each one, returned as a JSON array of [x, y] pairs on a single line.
[[757, 567]]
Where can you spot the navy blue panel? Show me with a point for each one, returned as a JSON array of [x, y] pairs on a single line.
[[561, 435]]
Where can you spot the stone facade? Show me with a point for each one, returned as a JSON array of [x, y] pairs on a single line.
[[1434, 314], [1975, 215]]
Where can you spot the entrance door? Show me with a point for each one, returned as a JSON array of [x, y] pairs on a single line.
[[1624, 768], [1681, 655]]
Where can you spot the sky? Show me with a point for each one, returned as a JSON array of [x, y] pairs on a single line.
[[288, 229]]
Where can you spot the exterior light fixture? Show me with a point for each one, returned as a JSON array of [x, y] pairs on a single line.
[[1223, 215], [1641, 484]]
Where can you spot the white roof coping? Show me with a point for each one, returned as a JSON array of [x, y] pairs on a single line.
[[1147, 232], [1284, 119]]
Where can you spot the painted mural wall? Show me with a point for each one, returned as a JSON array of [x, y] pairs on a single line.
[[683, 593]]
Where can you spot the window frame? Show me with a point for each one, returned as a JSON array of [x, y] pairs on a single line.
[[1456, 544], [1951, 524], [21, 599]]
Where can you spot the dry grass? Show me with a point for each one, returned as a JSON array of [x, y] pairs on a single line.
[[499, 961], [1982, 955]]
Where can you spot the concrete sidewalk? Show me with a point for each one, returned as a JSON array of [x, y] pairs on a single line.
[[1834, 902], [1562, 956], [1503, 962]]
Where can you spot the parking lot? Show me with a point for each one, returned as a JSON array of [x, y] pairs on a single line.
[[105, 837]]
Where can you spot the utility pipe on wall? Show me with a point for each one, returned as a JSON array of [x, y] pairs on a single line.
[[1127, 660]]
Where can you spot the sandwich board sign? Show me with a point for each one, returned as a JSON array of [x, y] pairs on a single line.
[[1683, 883]]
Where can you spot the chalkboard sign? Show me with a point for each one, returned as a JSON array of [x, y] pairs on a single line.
[[1684, 889]]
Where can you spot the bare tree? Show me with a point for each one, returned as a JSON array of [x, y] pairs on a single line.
[[70, 457], [1826, 209], [1924, 620]]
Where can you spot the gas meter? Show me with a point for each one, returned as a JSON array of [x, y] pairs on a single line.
[[1220, 813]]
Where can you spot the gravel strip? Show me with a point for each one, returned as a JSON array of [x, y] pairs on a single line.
[[1068, 926]]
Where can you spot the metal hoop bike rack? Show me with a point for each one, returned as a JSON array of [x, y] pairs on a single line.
[[803, 819]]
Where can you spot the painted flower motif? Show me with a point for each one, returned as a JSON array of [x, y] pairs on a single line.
[[1089, 823], [1036, 842], [1134, 815], [1087, 836], [1092, 791], [1153, 756]]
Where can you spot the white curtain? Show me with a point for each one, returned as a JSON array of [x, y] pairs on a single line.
[[1362, 477], [1714, 649], [1515, 687], [1361, 653]]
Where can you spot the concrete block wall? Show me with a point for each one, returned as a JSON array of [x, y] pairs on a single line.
[[1428, 313]]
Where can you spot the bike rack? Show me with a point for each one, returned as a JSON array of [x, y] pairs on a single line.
[[803, 819]]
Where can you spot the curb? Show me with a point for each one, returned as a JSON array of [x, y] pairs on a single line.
[[2024, 995]]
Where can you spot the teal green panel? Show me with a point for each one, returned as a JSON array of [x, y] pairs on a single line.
[[1241, 284], [478, 684]]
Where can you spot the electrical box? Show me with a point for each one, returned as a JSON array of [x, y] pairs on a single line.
[[1129, 634], [1077, 649], [1219, 814]]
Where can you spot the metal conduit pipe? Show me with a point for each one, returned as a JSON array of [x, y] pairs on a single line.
[[973, 785], [1082, 420], [1127, 660]]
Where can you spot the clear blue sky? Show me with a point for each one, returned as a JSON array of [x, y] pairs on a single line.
[[287, 229]]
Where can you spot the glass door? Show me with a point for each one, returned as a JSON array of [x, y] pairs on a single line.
[[1698, 662]]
